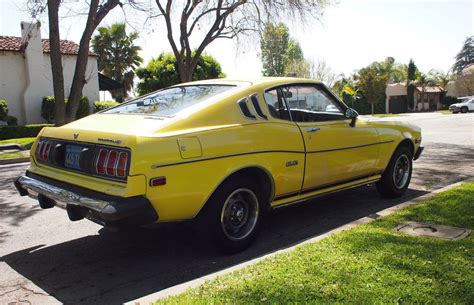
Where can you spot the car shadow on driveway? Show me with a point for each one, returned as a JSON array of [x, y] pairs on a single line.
[[112, 268]]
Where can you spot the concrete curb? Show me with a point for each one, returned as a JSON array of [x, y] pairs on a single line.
[[14, 160], [174, 290]]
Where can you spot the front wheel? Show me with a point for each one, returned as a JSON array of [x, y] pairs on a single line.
[[233, 214], [397, 175], [464, 109]]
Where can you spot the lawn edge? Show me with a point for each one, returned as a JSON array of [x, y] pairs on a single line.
[[180, 288], [14, 160]]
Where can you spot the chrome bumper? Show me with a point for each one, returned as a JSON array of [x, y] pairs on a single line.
[[60, 196], [101, 208]]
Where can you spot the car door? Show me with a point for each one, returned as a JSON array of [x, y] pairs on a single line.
[[336, 152], [288, 158]]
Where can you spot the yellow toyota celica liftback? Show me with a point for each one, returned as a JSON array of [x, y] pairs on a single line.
[[221, 152]]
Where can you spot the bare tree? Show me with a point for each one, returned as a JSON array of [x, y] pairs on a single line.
[[322, 72], [218, 19]]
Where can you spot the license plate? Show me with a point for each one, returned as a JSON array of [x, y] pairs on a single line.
[[73, 153]]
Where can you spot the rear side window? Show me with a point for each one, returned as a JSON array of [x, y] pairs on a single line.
[[276, 104], [170, 101]]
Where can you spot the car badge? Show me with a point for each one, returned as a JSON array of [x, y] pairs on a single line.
[[76, 135]]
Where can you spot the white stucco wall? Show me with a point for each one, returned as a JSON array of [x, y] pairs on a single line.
[[12, 82], [25, 77]]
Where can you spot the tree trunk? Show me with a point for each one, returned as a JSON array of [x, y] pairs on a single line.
[[94, 17], [186, 74], [56, 63], [79, 79], [372, 104]]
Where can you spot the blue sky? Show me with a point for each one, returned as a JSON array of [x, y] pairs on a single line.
[[352, 34]]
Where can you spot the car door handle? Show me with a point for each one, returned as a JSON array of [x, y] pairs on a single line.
[[313, 129]]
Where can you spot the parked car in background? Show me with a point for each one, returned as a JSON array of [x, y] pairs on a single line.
[[465, 105], [221, 152]]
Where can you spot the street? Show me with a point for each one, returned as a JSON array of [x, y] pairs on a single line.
[[43, 253]]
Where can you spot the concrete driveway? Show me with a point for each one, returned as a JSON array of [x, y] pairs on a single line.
[[43, 254]]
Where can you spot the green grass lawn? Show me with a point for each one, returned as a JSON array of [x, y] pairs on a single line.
[[369, 264], [444, 111], [25, 142], [13, 155], [386, 114]]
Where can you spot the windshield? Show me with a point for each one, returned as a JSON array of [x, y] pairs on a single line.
[[169, 102]]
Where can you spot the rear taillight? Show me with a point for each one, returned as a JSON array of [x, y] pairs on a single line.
[[111, 162], [46, 150], [43, 150], [122, 164], [101, 160]]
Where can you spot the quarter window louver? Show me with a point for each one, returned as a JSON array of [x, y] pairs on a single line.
[[245, 109], [256, 105]]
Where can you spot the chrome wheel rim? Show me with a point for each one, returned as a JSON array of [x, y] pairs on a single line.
[[239, 214], [401, 171]]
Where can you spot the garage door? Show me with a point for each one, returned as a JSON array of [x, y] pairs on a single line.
[[398, 104]]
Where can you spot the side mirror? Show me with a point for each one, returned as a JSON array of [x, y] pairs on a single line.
[[351, 114]]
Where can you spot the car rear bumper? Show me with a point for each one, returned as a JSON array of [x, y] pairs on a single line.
[[82, 203], [418, 152]]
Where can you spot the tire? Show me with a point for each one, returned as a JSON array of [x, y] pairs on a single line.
[[397, 175], [233, 214], [464, 109]]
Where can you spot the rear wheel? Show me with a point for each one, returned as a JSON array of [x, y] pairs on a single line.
[[464, 109], [397, 175], [233, 214]]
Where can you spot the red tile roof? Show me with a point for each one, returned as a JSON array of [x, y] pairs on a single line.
[[13, 43], [430, 89]]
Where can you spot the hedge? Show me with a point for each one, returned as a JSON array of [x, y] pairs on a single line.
[[3, 109], [449, 100], [12, 132], [47, 108], [102, 105], [84, 109]]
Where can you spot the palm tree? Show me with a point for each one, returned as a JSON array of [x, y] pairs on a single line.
[[423, 80], [118, 56], [442, 79]]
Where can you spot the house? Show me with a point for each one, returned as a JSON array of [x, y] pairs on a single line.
[[25, 72], [426, 98]]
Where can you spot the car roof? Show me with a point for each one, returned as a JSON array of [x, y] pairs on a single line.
[[271, 81]]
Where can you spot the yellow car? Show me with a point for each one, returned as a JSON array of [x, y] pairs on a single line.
[[222, 152]]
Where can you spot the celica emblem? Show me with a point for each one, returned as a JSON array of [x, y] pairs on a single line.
[[109, 140], [76, 135], [291, 163]]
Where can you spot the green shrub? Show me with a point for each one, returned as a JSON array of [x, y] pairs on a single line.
[[12, 121], [449, 100], [47, 109], [83, 110], [102, 105], [48, 105], [364, 107], [12, 132], [3, 109]]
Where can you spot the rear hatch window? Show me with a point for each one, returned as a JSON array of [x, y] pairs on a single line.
[[168, 102]]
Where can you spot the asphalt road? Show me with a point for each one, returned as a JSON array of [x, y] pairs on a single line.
[[43, 254]]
